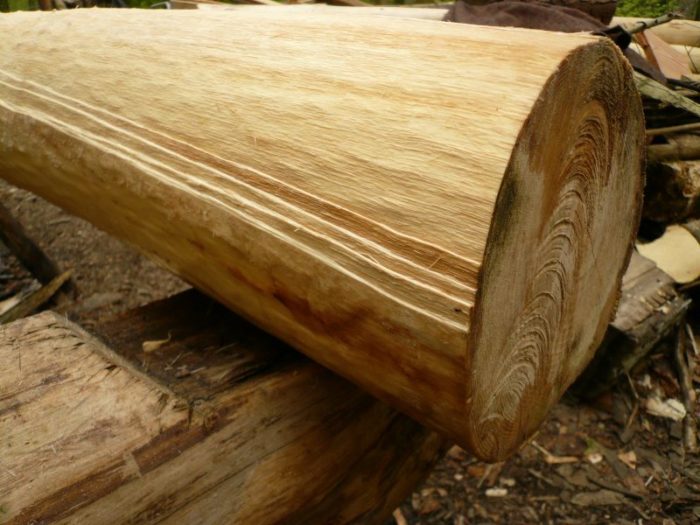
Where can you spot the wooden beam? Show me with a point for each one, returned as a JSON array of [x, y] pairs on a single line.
[[218, 424], [447, 234]]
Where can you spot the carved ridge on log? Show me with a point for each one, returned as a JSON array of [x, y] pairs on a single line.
[[429, 278]]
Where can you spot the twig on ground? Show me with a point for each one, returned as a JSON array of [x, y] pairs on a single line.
[[612, 486], [690, 441], [35, 299], [691, 338]]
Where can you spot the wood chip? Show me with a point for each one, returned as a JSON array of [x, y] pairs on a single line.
[[399, 517], [669, 409], [628, 458], [594, 458], [152, 346], [507, 482], [496, 492]]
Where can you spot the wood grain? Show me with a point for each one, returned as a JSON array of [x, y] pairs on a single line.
[[650, 309], [447, 234], [223, 424]]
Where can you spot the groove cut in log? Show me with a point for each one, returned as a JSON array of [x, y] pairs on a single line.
[[447, 234]]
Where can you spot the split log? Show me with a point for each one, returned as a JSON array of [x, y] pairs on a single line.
[[675, 32], [679, 147], [34, 299], [650, 309], [447, 234], [656, 91], [671, 62], [672, 192], [219, 424]]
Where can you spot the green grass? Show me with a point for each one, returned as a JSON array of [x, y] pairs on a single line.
[[18, 5], [646, 8]]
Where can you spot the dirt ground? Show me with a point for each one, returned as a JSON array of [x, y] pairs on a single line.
[[609, 462]]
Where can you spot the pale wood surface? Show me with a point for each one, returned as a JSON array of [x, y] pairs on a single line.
[[691, 55], [223, 424], [673, 63], [676, 252], [436, 13], [680, 32], [447, 234]]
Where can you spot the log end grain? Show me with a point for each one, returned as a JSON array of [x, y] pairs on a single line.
[[561, 237]]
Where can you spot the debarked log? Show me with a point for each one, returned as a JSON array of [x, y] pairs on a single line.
[[448, 234]]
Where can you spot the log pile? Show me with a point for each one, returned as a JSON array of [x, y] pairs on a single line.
[[651, 309]]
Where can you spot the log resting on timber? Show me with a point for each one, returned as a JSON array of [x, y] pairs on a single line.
[[440, 213]]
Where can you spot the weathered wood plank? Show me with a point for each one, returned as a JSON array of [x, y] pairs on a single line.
[[221, 424]]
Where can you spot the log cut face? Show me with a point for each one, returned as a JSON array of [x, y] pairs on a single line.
[[563, 220], [405, 219]]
